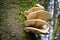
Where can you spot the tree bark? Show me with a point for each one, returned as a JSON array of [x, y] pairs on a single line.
[[56, 28], [55, 11]]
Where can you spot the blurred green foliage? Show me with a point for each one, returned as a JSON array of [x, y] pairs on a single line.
[[44, 3], [25, 5], [5, 33]]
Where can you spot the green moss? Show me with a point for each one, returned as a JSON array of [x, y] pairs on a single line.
[[25, 5], [56, 28]]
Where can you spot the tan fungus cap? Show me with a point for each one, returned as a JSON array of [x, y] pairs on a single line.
[[32, 10], [40, 14], [35, 30], [36, 23]]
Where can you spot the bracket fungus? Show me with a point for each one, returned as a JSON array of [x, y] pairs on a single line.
[[36, 30], [40, 14], [33, 9], [35, 22]]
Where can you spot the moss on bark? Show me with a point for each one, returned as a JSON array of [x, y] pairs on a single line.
[[56, 28]]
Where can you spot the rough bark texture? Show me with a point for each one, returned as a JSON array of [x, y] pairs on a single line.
[[56, 28], [12, 19], [55, 11], [55, 20]]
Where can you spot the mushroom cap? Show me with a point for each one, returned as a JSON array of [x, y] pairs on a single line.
[[40, 14], [36, 23], [36, 30], [32, 10], [26, 13]]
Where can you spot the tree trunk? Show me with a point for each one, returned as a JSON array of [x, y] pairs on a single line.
[[12, 19], [56, 28], [55, 11]]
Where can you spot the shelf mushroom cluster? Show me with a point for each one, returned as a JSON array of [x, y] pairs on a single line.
[[36, 20]]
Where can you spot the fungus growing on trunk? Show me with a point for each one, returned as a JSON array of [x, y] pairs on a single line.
[[36, 30], [40, 14], [33, 9], [36, 17], [36, 23]]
